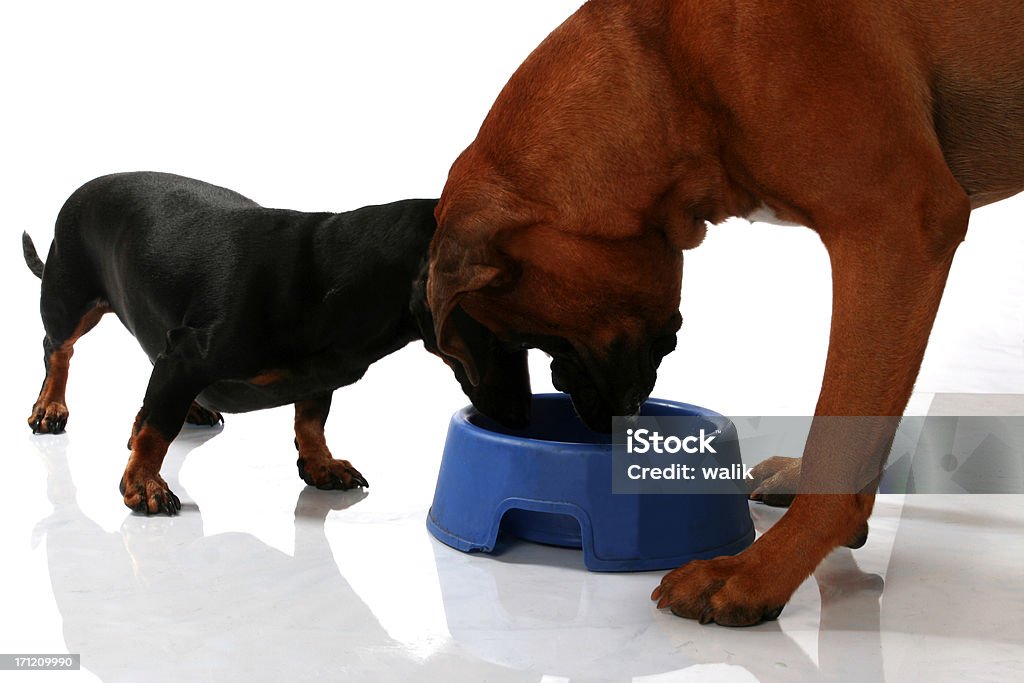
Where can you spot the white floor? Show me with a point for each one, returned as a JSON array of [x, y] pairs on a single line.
[[262, 579]]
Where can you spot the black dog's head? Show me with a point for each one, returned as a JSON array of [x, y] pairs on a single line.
[[502, 391]]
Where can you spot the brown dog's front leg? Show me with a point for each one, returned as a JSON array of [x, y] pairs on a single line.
[[886, 290], [317, 467]]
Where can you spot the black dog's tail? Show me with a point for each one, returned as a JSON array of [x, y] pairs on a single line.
[[32, 260]]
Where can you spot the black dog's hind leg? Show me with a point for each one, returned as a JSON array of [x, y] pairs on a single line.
[[317, 466], [179, 374], [50, 412], [198, 415]]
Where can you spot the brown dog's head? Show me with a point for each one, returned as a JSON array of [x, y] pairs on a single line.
[[605, 309], [562, 225]]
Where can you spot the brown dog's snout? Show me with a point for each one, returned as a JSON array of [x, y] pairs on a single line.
[[605, 387]]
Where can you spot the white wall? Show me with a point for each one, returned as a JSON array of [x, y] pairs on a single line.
[[330, 106]]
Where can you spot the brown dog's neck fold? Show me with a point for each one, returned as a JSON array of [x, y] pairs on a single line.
[[628, 171]]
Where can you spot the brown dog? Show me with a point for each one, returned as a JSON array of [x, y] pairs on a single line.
[[879, 125]]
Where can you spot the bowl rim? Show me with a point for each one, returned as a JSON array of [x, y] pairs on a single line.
[[462, 420]]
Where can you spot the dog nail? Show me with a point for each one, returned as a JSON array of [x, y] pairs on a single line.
[[707, 616], [773, 614]]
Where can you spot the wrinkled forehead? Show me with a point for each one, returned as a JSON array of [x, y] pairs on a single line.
[[603, 283]]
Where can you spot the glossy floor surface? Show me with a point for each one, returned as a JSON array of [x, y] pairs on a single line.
[[262, 579]]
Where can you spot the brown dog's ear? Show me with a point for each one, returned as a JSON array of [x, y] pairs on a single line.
[[447, 284], [466, 256], [502, 391]]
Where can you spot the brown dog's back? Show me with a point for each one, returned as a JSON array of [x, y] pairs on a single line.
[[977, 84]]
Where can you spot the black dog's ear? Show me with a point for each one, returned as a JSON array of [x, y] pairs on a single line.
[[502, 387]]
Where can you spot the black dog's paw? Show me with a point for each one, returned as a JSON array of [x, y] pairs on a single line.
[[48, 418], [149, 495], [330, 474], [198, 415]]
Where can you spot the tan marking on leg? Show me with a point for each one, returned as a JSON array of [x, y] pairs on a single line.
[[143, 488], [50, 412], [135, 429], [317, 467]]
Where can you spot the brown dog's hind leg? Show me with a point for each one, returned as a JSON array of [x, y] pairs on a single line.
[[50, 412], [317, 467], [775, 481]]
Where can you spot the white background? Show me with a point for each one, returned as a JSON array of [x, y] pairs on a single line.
[[337, 105], [334, 106]]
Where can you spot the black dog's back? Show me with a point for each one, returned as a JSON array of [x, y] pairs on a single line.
[[127, 239], [269, 285], [243, 308]]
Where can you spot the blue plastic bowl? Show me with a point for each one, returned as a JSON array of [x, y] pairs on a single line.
[[552, 483]]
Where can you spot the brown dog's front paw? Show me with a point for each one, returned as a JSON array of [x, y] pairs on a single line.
[[722, 590], [48, 418], [775, 481], [149, 494], [330, 474]]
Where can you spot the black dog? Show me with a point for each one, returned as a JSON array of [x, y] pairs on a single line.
[[242, 308]]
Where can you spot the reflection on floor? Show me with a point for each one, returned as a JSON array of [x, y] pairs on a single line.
[[355, 588]]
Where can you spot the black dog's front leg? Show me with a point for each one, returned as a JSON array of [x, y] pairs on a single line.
[[178, 376], [317, 466]]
